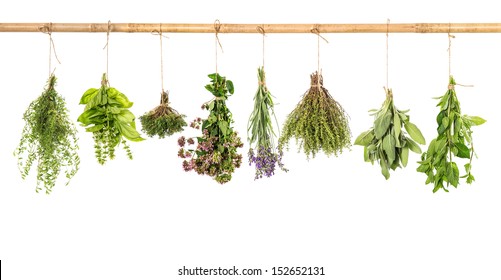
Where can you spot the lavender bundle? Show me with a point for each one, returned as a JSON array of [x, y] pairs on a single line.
[[261, 135]]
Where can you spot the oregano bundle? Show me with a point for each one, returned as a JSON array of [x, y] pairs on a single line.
[[108, 117], [49, 139], [215, 153], [318, 123], [454, 140], [387, 142]]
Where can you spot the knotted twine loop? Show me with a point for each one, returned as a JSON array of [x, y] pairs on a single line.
[[316, 30], [160, 35], [47, 29], [217, 28]]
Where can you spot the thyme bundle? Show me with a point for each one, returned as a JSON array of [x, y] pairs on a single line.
[[216, 151], [386, 142], [260, 132], [163, 120], [317, 123], [454, 140], [49, 139], [107, 116]]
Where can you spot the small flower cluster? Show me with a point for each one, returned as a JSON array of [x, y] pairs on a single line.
[[265, 161], [211, 156]]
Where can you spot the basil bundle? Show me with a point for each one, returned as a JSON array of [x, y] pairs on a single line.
[[387, 142], [107, 116], [49, 138], [454, 140]]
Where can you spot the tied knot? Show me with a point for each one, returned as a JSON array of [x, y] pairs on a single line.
[[451, 87]]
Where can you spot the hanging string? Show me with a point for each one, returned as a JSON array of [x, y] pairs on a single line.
[[107, 46], [52, 48], [261, 30], [316, 31], [160, 34], [387, 51], [217, 28], [449, 49]]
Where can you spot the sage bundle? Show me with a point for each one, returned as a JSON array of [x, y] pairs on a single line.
[[163, 120], [215, 153], [454, 140], [107, 116], [318, 123], [49, 139], [386, 142], [261, 135]]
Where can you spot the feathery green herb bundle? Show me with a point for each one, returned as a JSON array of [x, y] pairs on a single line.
[[49, 138], [162, 120], [107, 116], [260, 131], [386, 142], [454, 140], [216, 152], [317, 123]]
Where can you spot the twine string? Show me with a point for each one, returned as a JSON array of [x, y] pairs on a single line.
[[387, 51], [316, 31], [107, 46], [217, 28], [450, 45], [47, 29], [160, 34], [260, 29]]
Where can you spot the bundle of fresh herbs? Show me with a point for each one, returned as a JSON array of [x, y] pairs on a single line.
[[107, 116], [260, 132], [386, 142], [454, 140], [317, 123], [216, 152], [162, 120], [49, 138]]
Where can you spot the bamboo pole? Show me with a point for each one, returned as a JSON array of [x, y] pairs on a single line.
[[253, 28]]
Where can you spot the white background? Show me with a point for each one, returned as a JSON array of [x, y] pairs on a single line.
[[146, 218]]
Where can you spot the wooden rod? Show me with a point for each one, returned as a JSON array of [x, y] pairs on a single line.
[[252, 28]]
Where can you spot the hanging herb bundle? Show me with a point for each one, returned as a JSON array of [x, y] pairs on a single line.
[[317, 123], [162, 120], [260, 131], [386, 142], [454, 140], [49, 138], [216, 152], [107, 116]]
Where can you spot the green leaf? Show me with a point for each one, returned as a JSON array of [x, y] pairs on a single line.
[[413, 146], [463, 151], [473, 120], [384, 169], [94, 128], [88, 95], [389, 147], [415, 133], [229, 85], [381, 125], [365, 138], [404, 156], [129, 132], [445, 122], [397, 125], [223, 125]]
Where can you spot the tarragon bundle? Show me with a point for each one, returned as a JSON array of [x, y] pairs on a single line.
[[260, 132], [317, 123], [386, 142], [216, 151], [163, 120], [107, 116], [49, 139], [454, 140]]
